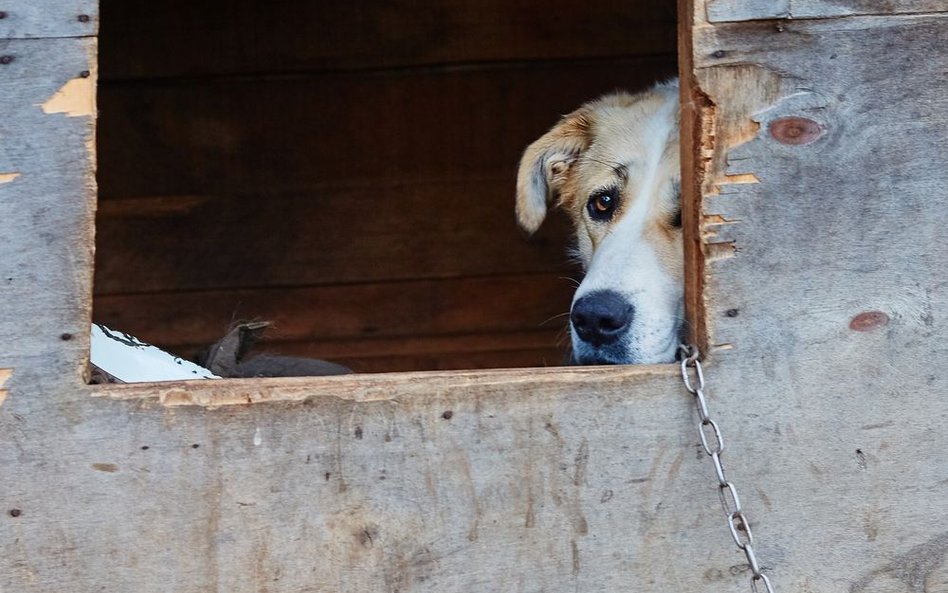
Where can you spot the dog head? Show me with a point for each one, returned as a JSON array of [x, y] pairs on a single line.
[[613, 165]]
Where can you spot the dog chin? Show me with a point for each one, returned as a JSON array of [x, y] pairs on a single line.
[[585, 354]]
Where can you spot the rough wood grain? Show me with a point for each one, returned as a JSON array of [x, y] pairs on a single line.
[[29, 19], [719, 11], [221, 137], [830, 303], [46, 209], [226, 37], [423, 307], [544, 347], [366, 233], [482, 350]]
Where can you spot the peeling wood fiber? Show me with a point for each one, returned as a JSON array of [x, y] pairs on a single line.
[[4, 377], [76, 98]]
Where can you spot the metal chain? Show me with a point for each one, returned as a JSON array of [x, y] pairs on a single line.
[[713, 444]]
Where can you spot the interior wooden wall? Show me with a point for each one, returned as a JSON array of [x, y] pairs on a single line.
[[346, 170]]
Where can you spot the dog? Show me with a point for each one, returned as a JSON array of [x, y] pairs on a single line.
[[613, 165]]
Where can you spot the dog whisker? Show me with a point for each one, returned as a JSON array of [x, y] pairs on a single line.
[[557, 316]]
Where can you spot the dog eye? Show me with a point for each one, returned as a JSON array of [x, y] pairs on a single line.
[[602, 204]]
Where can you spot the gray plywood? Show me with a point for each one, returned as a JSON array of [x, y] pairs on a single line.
[[25, 19], [46, 205], [848, 225], [538, 480], [718, 11]]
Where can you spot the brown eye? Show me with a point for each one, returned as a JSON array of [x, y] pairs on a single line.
[[676, 219], [602, 204]]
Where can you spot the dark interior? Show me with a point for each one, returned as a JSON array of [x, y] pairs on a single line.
[[346, 171]]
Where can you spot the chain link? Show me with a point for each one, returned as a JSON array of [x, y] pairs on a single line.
[[713, 443]]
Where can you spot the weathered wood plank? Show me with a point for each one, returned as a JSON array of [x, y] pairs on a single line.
[[376, 494], [26, 19], [223, 137], [720, 11], [482, 350], [329, 236], [829, 300], [424, 307], [46, 205], [221, 37]]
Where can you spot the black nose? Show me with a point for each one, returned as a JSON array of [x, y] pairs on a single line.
[[601, 317]]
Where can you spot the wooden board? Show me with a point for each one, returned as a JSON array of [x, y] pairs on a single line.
[[220, 137], [26, 19], [47, 188], [422, 307], [539, 480], [363, 234], [218, 37], [545, 347], [718, 11], [826, 292]]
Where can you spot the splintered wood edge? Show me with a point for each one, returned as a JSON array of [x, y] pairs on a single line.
[[696, 112], [213, 393]]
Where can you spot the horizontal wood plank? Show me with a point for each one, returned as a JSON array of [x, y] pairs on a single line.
[[721, 11], [238, 136], [547, 356], [334, 235], [465, 305], [540, 348], [219, 37], [31, 19]]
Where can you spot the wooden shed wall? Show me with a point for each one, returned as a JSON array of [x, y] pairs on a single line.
[[346, 170], [585, 479]]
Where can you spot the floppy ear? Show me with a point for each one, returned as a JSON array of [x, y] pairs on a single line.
[[545, 166]]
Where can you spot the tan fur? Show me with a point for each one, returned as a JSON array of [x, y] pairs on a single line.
[[602, 130]]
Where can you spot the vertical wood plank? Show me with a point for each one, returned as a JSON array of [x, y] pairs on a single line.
[[47, 206]]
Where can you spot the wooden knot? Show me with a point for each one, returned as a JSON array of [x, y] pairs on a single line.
[[795, 130]]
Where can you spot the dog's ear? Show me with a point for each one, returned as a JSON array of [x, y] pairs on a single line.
[[545, 166]]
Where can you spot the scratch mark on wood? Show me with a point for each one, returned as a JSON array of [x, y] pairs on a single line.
[[916, 571], [878, 425], [109, 468], [76, 98], [8, 177], [581, 461]]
